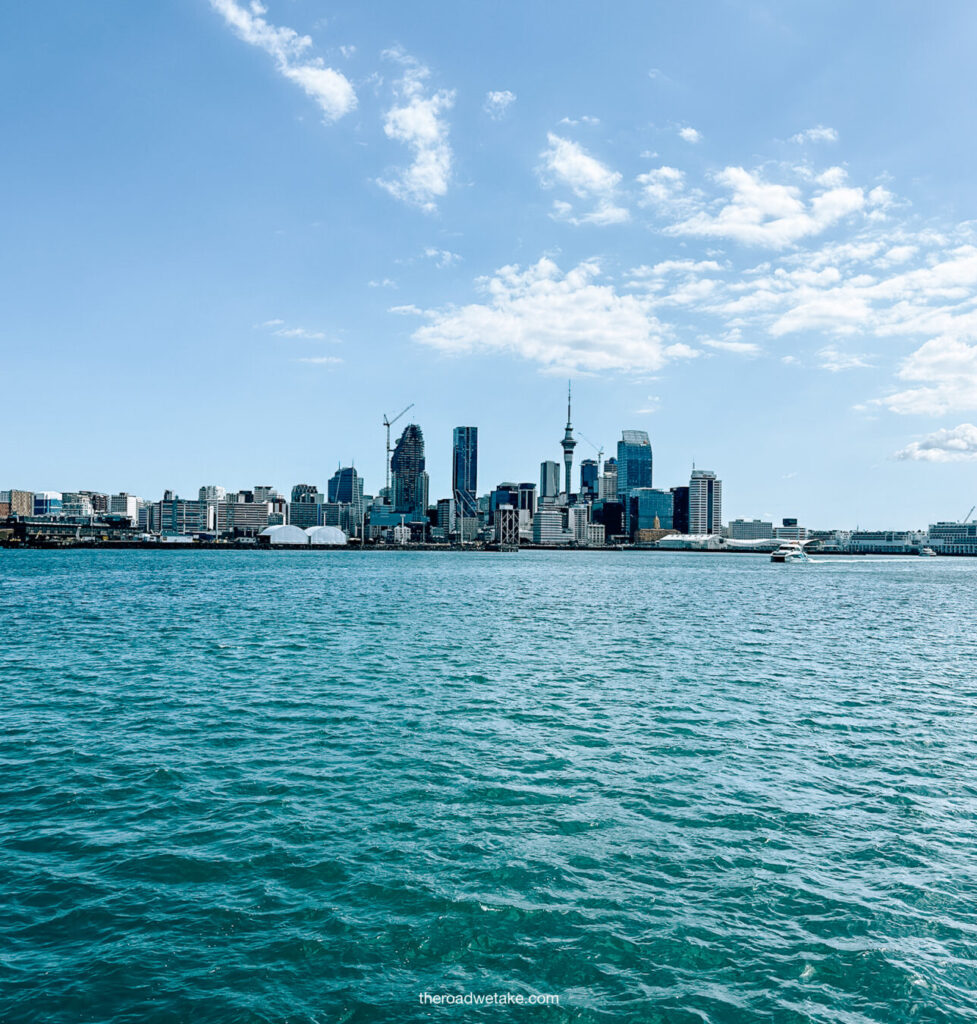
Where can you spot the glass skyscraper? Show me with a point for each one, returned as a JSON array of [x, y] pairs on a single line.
[[634, 463], [464, 470], [409, 479]]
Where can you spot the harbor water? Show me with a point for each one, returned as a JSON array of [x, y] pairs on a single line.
[[329, 786]]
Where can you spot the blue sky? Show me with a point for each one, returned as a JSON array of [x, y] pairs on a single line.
[[236, 235]]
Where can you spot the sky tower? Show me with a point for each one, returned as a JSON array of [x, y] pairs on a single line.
[[568, 443]]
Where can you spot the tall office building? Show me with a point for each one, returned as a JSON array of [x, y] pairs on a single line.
[[568, 444], [705, 502], [634, 461], [464, 469], [305, 508], [549, 480], [409, 482], [588, 479], [345, 487], [634, 465], [680, 509], [504, 494], [527, 498], [608, 481], [651, 509]]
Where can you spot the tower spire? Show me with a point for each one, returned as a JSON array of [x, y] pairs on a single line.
[[568, 444]]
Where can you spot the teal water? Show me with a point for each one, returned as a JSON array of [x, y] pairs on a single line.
[[309, 786]]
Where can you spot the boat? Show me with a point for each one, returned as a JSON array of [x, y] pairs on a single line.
[[928, 553], [790, 551]]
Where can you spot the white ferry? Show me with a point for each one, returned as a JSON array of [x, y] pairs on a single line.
[[790, 551]]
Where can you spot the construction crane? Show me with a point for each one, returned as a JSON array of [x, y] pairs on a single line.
[[388, 423], [599, 450], [966, 518]]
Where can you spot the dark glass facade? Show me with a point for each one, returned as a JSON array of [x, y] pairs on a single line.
[[464, 469], [680, 509]]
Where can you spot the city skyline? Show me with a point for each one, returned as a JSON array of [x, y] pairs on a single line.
[[294, 224]]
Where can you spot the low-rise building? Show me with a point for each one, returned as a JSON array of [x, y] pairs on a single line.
[[749, 529]]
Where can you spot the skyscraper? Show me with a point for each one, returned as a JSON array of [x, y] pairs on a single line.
[[549, 480], [705, 502], [345, 487], [588, 478], [680, 510], [634, 464], [568, 444], [608, 482], [409, 482], [634, 461], [464, 469]]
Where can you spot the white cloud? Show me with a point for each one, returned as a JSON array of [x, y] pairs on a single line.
[[767, 214], [945, 445], [689, 134], [417, 121], [835, 361], [385, 282], [817, 134], [947, 368], [321, 360], [742, 348], [567, 322], [300, 332], [569, 164], [583, 119], [330, 89], [497, 103], [442, 257]]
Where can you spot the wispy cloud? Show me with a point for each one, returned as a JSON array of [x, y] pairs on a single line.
[[947, 445], [689, 134], [417, 120], [442, 257], [320, 360], [330, 89], [834, 360], [568, 164], [497, 103], [817, 134]]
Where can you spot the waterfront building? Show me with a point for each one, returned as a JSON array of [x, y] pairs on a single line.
[[409, 480], [212, 492], [568, 444], [278, 533], [549, 481], [241, 515], [4, 504], [75, 505], [885, 542], [705, 503], [651, 509], [749, 529], [178, 516], [789, 530], [608, 481], [46, 503], [595, 535], [464, 468], [589, 482], [953, 538], [21, 502], [507, 526], [548, 527], [123, 504], [99, 501]]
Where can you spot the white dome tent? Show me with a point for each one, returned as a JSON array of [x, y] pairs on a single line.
[[326, 536], [283, 535]]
